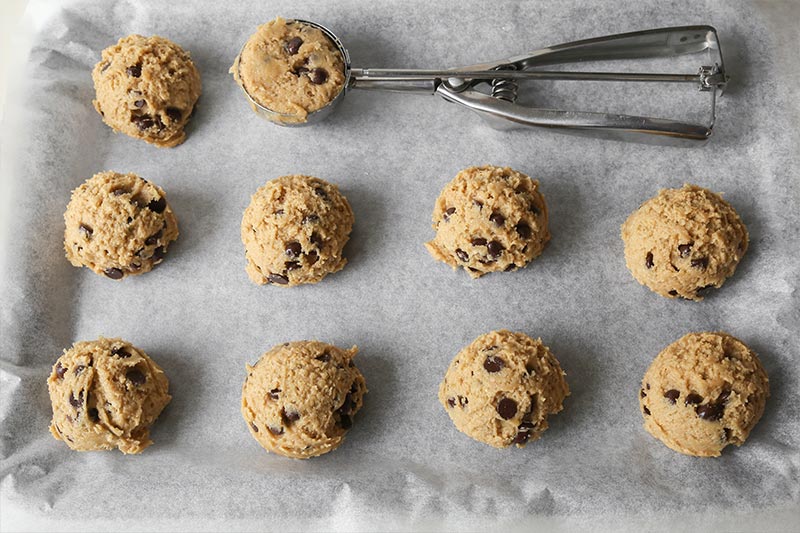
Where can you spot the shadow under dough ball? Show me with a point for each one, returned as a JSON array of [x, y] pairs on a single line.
[[489, 219], [502, 387], [683, 242], [300, 398], [294, 231], [290, 68], [146, 87], [118, 225], [106, 394], [703, 392]]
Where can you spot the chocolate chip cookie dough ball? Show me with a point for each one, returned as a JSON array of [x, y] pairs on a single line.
[[501, 388], [294, 231], [489, 219], [118, 225], [683, 242], [703, 392], [146, 87], [106, 394], [290, 68], [300, 398]]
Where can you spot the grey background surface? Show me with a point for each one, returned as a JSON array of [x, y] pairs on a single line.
[[403, 464]]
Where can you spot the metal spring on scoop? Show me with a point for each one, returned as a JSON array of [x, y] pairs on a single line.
[[504, 89]]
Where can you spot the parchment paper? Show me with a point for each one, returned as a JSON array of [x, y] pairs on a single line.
[[403, 465]]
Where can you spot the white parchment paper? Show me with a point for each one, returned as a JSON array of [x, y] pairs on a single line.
[[403, 464]]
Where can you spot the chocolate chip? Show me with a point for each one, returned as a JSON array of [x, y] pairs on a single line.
[[253, 425], [534, 209], [495, 249], [312, 257], [153, 239], [129, 220], [464, 256], [157, 206], [318, 76], [493, 364], [478, 204], [510, 267], [701, 291], [345, 422], [507, 408], [279, 212], [692, 398], [642, 393], [293, 249], [60, 370], [497, 218], [463, 401], [672, 395], [324, 357], [645, 410], [685, 249], [648, 260], [347, 405], [523, 433], [448, 212], [275, 431], [478, 241], [647, 386], [76, 402], [174, 114], [139, 103], [105, 67], [79, 370], [523, 229], [114, 273], [94, 416], [727, 432], [289, 416], [451, 402], [700, 263], [292, 265], [120, 352], [274, 393], [143, 122], [315, 239], [319, 191], [710, 411], [312, 218], [136, 377], [723, 396], [158, 253], [293, 45], [280, 279], [673, 293], [135, 71], [85, 230]]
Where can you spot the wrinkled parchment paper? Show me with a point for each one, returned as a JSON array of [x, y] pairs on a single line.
[[403, 464]]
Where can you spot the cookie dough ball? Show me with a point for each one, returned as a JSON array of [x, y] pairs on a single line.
[[683, 242], [703, 392], [290, 68], [501, 388], [146, 87], [294, 231], [118, 225], [489, 219], [106, 394], [300, 398]]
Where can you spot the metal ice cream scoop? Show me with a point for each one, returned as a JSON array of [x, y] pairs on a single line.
[[499, 81]]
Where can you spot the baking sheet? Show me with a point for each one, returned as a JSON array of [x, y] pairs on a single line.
[[403, 465]]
